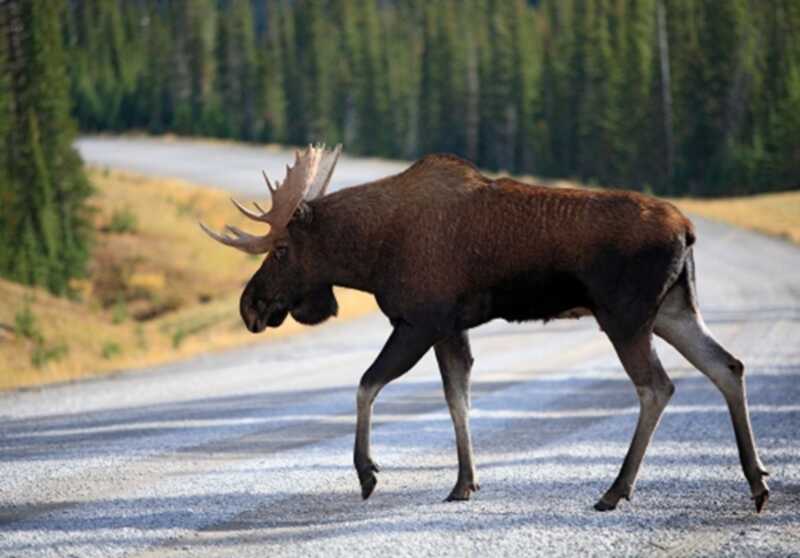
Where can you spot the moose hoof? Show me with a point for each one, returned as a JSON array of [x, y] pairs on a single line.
[[761, 500], [610, 500], [760, 491], [602, 505], [368, 480], [462, 492]]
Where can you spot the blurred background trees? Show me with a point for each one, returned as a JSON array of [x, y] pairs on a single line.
[[703, 101], [671, 96], [43, 222]]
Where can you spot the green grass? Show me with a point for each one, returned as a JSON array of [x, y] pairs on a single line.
[[123, 220]]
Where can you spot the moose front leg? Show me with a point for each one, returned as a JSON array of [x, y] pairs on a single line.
[[455, 364], [406, 345]]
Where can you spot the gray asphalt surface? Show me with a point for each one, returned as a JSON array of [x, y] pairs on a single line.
[[248, 453], [233, 167]]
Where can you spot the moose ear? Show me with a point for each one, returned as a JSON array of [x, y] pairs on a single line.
[[303, 214]]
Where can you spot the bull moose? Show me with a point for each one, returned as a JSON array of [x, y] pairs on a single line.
[[444, 248]]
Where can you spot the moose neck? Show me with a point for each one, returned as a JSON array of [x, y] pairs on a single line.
[[346, 241]]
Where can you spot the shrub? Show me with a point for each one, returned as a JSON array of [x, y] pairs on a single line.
[[42, 354], [178, 336], [110, 350], [119, 312], [122, 221], [25, 323]]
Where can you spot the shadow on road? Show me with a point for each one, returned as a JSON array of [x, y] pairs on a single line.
[[266, 422], [533, 413]]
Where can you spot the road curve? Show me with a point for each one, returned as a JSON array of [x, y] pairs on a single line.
[[230, 166], [248, 453]]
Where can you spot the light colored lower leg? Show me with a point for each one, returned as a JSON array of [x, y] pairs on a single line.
[[364, 400], [687, 332], [459, 409], [455, 363], [652, 401]]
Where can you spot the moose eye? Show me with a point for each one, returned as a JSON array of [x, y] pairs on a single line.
[[280, 252]]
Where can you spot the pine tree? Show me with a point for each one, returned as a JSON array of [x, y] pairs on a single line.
[[633, 92], [401, 38], [554, 117], [191, 62], [598, 120], [316, 65], [7, 194], [526, 68], [429, 103], [46, 211], [271, 80], [296, 129], [375, 127], [153, 90], [575, 83], [715, 94], [103, 66], [475, 45], [236, 65], [501, 115], [777, 126], [345, 64]]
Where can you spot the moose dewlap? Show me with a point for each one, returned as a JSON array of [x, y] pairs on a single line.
[[444, 249]]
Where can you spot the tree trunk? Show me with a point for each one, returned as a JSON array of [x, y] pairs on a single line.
[[666, 89]]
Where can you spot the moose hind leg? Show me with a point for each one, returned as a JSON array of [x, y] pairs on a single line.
[[682, 326], [405, 347], [654, 389], [455, 363]]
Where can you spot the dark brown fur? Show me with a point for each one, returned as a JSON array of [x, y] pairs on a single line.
[[442, 244], [444, 249]]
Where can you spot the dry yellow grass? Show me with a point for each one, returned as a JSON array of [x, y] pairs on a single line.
[[158, 291], [773, 214]]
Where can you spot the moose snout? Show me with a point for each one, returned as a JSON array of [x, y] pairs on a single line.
[[250, 315], [252, 311], [258, 314]]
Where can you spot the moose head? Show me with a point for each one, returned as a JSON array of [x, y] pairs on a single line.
[[287, 281]]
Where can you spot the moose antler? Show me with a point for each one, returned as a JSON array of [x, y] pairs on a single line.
[[306, 180]]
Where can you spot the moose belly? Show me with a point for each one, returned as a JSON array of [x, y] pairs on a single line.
[[553, 296]]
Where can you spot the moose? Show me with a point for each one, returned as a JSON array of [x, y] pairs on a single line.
[[444, 248]]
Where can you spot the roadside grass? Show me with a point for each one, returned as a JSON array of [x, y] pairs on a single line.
[[157, 290], [773, 214]]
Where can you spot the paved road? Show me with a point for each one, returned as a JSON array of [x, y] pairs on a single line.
[[248, 453], [234, 167]]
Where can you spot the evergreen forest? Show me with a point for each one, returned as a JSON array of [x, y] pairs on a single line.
[[44, 225], [673, 97], [698, 97]]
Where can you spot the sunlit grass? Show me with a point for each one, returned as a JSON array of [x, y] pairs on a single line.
[[773, 214], [158, 289]]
